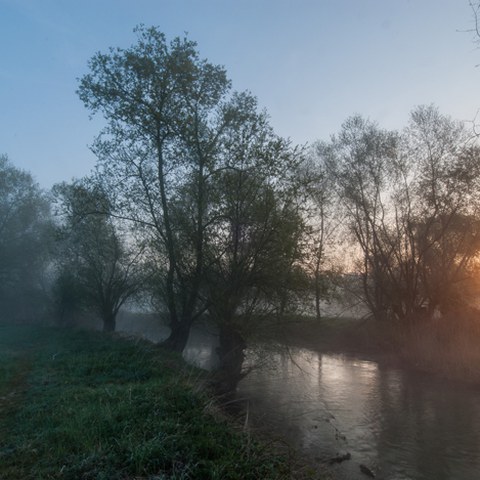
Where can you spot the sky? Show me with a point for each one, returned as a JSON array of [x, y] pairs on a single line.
[[311, 63]]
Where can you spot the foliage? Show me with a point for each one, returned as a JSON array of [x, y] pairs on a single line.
[[24, 244], [96, 269], [167, 111]]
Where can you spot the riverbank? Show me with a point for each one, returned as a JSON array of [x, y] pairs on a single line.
[[83, 405], [446, 347]]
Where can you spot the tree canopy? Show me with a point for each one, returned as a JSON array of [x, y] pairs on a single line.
[[24, 243], [194, 166]]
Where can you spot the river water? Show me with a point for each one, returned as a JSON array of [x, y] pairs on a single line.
[[399, 424]]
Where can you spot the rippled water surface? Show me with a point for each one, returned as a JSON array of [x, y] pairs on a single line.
[[401, 425]]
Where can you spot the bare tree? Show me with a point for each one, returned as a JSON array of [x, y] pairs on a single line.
[[360, 160], [412, 205], [324, 219]]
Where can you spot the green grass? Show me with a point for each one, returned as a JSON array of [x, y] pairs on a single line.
[[82, 405]]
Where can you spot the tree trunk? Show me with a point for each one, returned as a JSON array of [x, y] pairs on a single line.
[[109, 322], [178, 337], [231, 352], [317, 296]]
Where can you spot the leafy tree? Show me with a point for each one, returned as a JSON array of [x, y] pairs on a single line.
[[175, 133], [252, 252], [24, 244], [97, 270], [166, 110]]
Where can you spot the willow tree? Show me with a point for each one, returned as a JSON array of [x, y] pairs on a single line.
[[252, 252], [95, 264], [172, 120]]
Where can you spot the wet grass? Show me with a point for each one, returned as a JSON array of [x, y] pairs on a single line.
[[82, 405]]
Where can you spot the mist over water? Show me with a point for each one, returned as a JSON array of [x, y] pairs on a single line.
[[402, 425]]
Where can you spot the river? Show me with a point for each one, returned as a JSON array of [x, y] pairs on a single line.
[[401, 425]]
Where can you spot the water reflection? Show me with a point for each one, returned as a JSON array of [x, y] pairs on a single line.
[[403, 426], [201, 346]]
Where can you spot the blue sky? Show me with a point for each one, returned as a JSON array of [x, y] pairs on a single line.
[[311, 63]]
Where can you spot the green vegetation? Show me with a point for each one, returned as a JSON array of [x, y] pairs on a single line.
[[25, 240], [197, 208], [81, 405]]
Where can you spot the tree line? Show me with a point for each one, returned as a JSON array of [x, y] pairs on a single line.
[[198, 209]]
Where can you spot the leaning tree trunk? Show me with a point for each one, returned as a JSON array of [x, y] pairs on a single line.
[[178, 338], [231, 353], [109, 322]]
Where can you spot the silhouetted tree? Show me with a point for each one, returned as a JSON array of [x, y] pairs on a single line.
[[166, 109], [412, 202], [360, 160], [324, 219], [443, 204]]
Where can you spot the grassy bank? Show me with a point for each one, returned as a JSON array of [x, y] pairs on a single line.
[[448, 347], [81, 405]]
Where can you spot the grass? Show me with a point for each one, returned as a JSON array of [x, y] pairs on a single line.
[[82, 405]]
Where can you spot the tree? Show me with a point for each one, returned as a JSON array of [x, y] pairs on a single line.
[[360, 160], [166, 110], [24, 244], [324, 219], [412, 201], [445, 204], [175, 130], [96, 266], [475, 7], [252, 252]]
